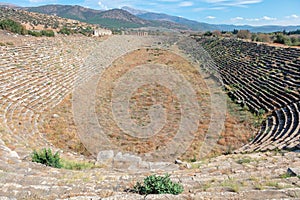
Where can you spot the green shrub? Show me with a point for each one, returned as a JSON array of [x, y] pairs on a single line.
[[48, 33], [285, 175], [158, 185], [65, 31], [235, 31], [13, 26], [244, 160], [9, 43], [295, 41], [46, 157], [208, 33], [281, 39], [231, 184], [35, 33]]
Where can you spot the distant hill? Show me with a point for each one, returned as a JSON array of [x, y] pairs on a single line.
[[190, 24], [199, 26], [8, 5], [123, 15], [115, 18], [119, 18], [66, 11]]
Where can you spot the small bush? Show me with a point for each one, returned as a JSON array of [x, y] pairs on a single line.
[[46, 157], [264, 37], [285, 175], [272, 184], [281, 39], [9, 43], [232, 185], [65, 31], [295, 41], [208, 33], [259, 186], [158, 185], [244, 34], [47, 33], [12, 26], [243, 160], [35, 33]]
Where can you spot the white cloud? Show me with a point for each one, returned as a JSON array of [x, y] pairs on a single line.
[[245, 2], [213, 8], [268, 18], [225, 4], [292, 16], [102, 6], [253, 19], [264, 18], [236, 18], [109, 4], [186, 4], [239, 3], [210, 17]]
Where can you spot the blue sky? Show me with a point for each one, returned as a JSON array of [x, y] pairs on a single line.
[[252, 12]]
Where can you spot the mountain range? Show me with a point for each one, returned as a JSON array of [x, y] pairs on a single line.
[[200, 26], [132, 18]]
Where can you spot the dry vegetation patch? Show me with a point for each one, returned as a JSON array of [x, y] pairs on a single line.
[[147, 96], [62, 132], [59, 128]]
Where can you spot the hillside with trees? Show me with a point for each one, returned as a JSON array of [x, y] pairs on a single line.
[[24, 22]]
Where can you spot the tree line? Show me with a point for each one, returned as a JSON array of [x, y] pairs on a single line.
[[291, 38], [16, 27]]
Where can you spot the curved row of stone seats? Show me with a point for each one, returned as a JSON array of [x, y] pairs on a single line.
[[39, 75], [261, 77], [35, 77], [234, 62], [199, 55], [281, 130], [247, 81]]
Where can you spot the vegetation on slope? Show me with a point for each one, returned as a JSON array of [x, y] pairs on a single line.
[[36, 24], [158, 185], [291, 38], [46, 157], [12, 26], [16, 27]]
